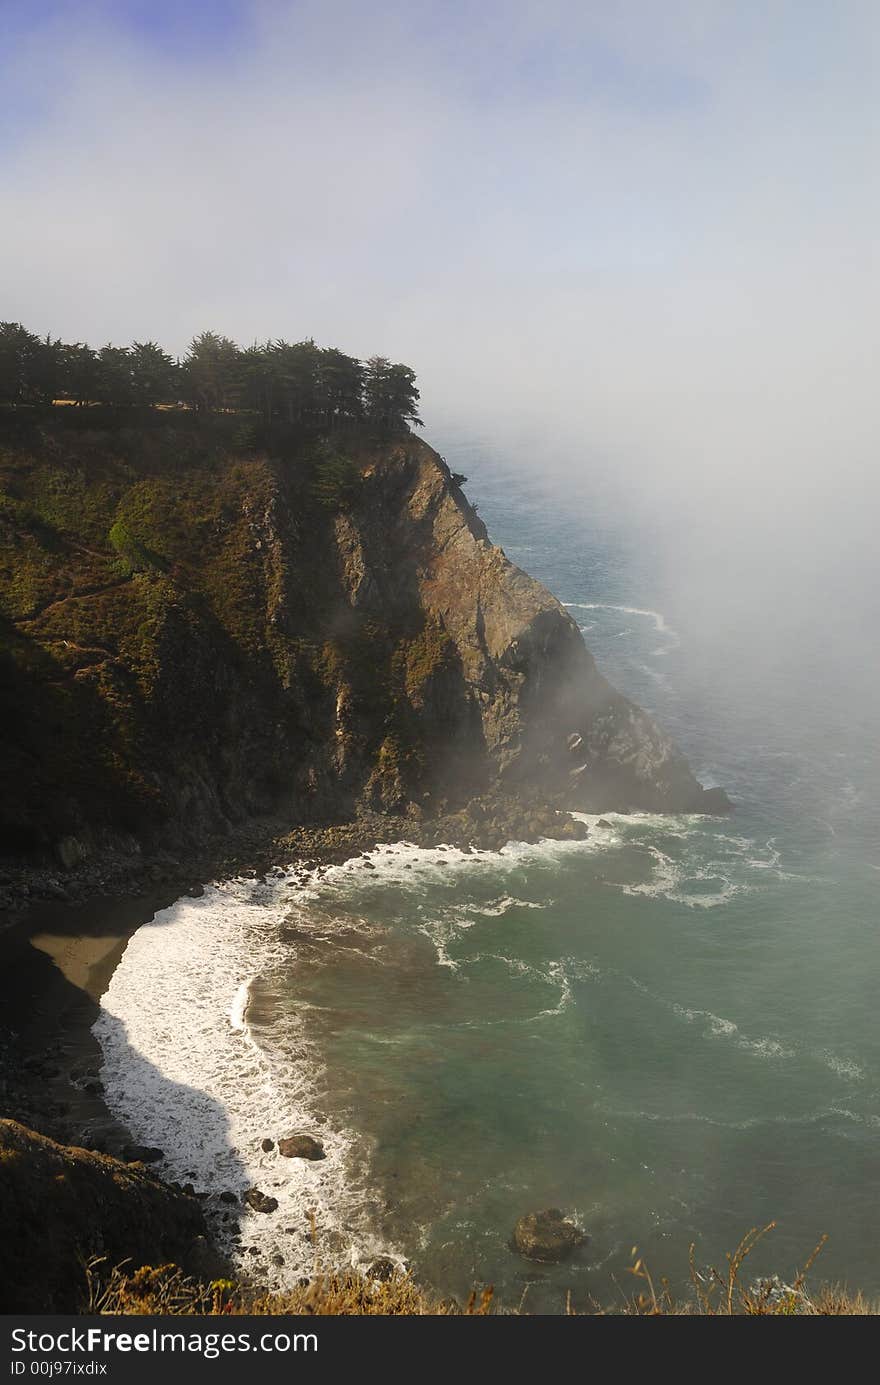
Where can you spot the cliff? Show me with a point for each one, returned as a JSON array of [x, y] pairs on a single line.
[[198, 625], [62, 1206]]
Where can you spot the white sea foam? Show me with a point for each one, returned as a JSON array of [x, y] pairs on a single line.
[[181, 1064], [846, 1068], [672, 638], [183, 1071], [719, 1027], [505, 903]]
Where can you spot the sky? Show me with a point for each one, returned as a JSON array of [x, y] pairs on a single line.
[[633, 244]]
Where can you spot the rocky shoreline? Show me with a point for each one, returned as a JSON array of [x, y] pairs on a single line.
[[66, 931], [261, 844]]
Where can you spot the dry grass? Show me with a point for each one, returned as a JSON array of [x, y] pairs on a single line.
[[727, 1293], [167, 1291], [714, 1293]]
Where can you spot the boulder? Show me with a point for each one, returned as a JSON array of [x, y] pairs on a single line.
[[546, 1236], [267, 1145], [260, 1202], [382, 1268], [301, 1147]]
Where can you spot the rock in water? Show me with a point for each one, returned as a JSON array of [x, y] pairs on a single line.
[[547, 1236], [260, 1202], [267, 1145], [301, 1147]]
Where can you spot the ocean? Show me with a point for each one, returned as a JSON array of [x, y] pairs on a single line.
[[668, 1030]]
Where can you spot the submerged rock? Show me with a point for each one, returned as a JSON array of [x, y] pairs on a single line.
[[546, 1236], [382, 1268], [301, 1147]]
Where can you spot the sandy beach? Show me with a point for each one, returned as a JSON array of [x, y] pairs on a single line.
[[55, 964]]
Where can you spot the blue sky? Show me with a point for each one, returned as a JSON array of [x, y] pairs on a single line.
[[189, 30]]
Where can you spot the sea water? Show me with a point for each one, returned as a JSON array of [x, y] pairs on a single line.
[[667, 1030]]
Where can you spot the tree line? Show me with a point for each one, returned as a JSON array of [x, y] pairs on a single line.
[[299, 383]]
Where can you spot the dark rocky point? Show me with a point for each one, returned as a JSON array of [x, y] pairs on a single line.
[[142, 1154]]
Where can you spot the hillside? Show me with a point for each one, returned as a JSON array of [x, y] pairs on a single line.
[[198, 624]]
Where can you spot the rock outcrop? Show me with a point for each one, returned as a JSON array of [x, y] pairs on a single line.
[[547, 1236], [301, 1147], [272, 639], [61, 1206]]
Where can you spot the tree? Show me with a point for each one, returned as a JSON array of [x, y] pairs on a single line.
[[300, 392], [79, 373], [46, 371], [18, 352], [390, 395], [312, 389], [262, 377], [114, 380], [341, 384], [211, 373], [153, 374]]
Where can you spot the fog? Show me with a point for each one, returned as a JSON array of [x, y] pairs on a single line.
[[634, 245]]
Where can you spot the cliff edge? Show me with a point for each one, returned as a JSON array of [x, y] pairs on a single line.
[[198, 625]]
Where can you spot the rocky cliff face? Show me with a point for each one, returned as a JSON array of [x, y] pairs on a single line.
[[60, 1207], [194, 629]]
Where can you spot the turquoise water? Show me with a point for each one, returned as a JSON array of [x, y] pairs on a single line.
[[670, 1032]]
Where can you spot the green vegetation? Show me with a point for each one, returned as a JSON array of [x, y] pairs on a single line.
[[176, 639], [307, 387], [133, 555], [335, 475], [418, 659]]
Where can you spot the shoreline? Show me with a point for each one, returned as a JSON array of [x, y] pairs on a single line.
[[55, 964], [58, 955], [63, 933]]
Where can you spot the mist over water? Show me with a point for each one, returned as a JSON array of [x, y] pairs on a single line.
[[630, 251], [667, 1030]]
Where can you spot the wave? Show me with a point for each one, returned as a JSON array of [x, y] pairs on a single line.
[[660, 623], [497, 907], [849, 1069], [553, 973], [183, 1070], [719, 1027]]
